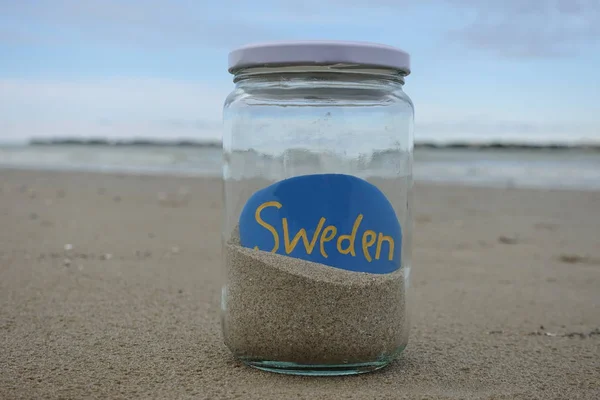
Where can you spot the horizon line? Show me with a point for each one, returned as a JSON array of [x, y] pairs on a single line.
[[215, 143]]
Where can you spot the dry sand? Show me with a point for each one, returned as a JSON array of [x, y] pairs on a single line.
[[285, 309], [505, 295]]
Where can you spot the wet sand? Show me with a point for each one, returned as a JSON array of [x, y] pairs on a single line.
[[109, 288]]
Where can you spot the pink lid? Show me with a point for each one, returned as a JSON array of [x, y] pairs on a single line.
[[319, 52]]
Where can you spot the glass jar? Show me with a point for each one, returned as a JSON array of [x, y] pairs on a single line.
[[317, 228]]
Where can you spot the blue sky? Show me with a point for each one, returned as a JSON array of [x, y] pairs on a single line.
[[512, 70]]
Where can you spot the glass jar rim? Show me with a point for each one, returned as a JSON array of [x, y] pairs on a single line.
[[340, 72]]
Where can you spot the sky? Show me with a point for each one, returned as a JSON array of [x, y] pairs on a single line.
[[510, 70]]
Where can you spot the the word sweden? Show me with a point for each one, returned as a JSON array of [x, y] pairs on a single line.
[[372, 245]]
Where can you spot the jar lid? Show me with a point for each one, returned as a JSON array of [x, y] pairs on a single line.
[[319, 52]]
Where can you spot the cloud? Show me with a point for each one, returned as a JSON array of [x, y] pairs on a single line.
[[499, 129], [19, 37], [123, 107], [505, 28], [145, 24], [529, 28], [171, 109], [115, 107]]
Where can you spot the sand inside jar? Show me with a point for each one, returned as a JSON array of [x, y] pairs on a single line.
[[279, 308]]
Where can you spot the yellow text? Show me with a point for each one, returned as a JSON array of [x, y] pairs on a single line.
[[323, 234]]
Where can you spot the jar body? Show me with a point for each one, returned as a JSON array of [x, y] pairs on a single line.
[[319, 139]]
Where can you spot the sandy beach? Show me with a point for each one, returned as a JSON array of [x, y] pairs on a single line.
[[109, 288]]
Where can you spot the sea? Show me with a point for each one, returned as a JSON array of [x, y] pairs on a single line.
[[504, 166]]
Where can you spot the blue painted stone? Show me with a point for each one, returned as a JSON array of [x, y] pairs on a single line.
[[303, 201]]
